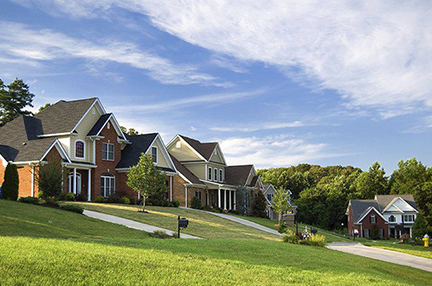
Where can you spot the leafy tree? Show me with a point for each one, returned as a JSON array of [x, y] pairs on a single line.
[[281, 202], [196, 203], [371, 183], [11, 183], [43, 107], [130, 131], [243, 199], [421, 227], [423, 199], [411, 173], [50, 179], [13, 99], [259, 205], [146, 179]]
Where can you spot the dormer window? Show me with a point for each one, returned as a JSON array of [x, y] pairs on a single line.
[[178, 145], [373, 219], [79, 149], [108, 125], [209, 173], [215, 174], [154, 153], [392, 218], [221, 175]]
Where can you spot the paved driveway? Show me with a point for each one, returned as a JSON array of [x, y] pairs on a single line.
[[383, 254], [246, 222], [131, 223]]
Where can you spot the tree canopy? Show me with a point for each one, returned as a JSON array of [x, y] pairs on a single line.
[[13, 99]]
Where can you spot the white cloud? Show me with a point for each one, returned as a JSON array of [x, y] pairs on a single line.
[[227, 63], [217, 98], [20, 43], [257, 127], [374, 53], [272, 151]]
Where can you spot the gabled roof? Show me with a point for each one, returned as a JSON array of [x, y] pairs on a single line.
[[99, 124], [367, 211], [204, 149], [254, 181], [63, 116], [131, 153], [385, 200], [360, 207], [186, 173], [237, 175]]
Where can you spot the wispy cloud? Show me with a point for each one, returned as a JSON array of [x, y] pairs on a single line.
[[228, 63], [217, 98], [372, 53], [19, 43], [262, 126], [271, 151]]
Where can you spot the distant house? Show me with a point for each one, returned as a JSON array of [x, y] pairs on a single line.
[[269, 192], [390, 215], [204, 173], [87, 141]]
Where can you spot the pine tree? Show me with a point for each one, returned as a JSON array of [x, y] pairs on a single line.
[[11, 183], [13, 99]]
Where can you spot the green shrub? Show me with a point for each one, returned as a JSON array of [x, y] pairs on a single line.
[[29, 200], [291, 237], [196, 203], [259, 206], [50, 179], [72, 208], [314, 240], [11, 183], [176, 203], [100, 199], [282, 227], [69, 197], [51, 203], [81, 197], [125, 200]]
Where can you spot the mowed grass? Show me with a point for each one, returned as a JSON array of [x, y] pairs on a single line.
[[415, 250], [201, 224], [111, 254]]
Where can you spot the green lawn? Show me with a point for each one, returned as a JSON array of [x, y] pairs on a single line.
[[42, 246], [415, 250], [201, 224]]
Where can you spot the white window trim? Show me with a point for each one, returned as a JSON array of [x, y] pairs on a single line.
[[104, 191], [373, 219], [210, 173], [108, 144], [84, 149], [216, 172], [157, 151], [178, 144], [221, 175], [78, 185]]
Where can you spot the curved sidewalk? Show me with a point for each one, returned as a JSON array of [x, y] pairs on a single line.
[[384, 255], [132, 224], [246, 222]]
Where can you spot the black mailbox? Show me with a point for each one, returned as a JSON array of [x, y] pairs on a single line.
[[183, 223], [314, 231]]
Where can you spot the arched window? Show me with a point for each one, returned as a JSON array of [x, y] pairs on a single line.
[[107, 184], [79, 149], [78, 183], [392, 218]]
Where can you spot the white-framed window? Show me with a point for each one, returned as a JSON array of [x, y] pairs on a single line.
[[270, 197], [108, 125], [198, 194], [209, 173], [79, 149], [221, 175], [373, 219], [392, 218], [108, 151], [409, 218], [366, 233], [78, 183], [154, 153], [107, 185], [215, 174], [178, 145]]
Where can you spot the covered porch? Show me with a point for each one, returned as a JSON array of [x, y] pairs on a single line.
[[79, 179], [222, 197]]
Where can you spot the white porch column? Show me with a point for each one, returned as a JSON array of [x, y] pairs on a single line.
[[225, 200], [171, 190], [231, 200], [74, 190], [219, 198], [89, 185], [235, 200]]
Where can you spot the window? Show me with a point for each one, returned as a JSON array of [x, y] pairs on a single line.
[[373, 219], [198, 194], [107, 185], [78, 183], [210, 173], [178, 145], [154, 153], [215, 174], [108, 125], [79, 149], [108, 151], [392, 218], [221, 175], [366, 233], [408, 218], [269, 197], [93, 111]]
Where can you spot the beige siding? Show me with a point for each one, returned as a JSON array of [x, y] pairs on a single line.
[[198, 170], [184, 153], [213, 166], [216, 157], [65, 142], [162, 162]]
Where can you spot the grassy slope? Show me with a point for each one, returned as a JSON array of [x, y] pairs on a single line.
[[201, 223], [36, 251]]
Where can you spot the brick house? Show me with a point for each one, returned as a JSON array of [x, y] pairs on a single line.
[[202, 172], [389, 215], [87, 140]]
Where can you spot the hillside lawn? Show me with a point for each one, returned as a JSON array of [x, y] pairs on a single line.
[[201, 224], [40, 245]]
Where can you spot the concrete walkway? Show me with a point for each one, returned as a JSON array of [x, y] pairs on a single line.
[[383, 254], [246, 222], [132, 224]]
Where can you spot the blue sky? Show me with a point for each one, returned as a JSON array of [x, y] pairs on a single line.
[[277, 83]]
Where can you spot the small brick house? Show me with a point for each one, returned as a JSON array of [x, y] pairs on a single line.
[[385, 215], [89, 143]]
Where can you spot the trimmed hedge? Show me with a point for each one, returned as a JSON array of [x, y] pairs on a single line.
[[72, 208], [29, 200], [11, 183]]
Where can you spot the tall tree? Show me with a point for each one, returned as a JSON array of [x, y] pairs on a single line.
[[423, 199], [259, 205], [371, 183], [411, 173], [43, 107], [145, 179], [13, 99], [130, 131], [50, 179], [281, 202], [11, 183]]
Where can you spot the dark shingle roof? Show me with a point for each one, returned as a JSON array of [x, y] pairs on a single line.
[[131, 153], [360, 207], [63, 116], [205, 149], [384, 200], [99, 124], [185, 172], [19, 142], [237, 175]]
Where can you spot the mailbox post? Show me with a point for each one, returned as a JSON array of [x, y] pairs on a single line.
[[182, 223]]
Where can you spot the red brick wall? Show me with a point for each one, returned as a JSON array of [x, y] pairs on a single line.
[[380, 223], [179, 192]]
